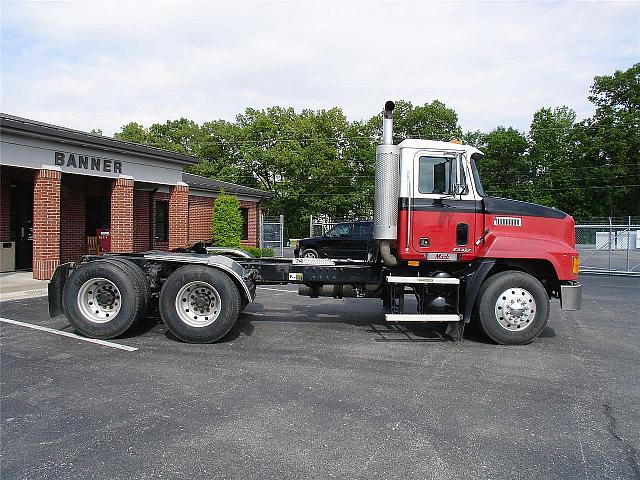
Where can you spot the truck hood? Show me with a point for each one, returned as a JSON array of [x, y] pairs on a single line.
[[506, 206]]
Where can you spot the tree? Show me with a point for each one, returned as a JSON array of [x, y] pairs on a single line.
[[475, 139], [133, 132], [227, 221], [431, 121], [505, 169], [608, 146], [552, 159]]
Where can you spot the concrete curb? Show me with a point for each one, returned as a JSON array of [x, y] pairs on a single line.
[[38, 292]]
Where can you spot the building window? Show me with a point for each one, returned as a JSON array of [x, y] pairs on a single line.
[[244, 212], [162, 221]]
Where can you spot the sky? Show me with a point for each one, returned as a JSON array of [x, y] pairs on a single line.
[[99, 65]]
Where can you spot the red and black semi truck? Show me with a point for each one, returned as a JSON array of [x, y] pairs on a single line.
[[458, 254]]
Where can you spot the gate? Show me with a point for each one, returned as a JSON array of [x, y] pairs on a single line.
[[609, 246], [272, 234]]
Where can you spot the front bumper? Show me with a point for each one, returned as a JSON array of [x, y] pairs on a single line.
[[570, 296]]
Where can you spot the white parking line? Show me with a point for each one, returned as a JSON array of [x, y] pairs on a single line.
[[70, 335]]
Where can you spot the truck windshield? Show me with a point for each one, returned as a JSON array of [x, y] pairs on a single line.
[[476, 178]]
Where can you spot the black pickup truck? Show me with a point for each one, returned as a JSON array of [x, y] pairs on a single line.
[[351, 240]]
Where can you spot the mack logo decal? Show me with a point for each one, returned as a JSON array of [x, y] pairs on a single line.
[[461, 250], [87, 163], [442, 257]]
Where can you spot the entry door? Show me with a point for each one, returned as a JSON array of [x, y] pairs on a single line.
[[22, 224], [441, 221]]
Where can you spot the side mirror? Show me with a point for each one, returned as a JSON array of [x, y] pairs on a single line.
[[461, 189]]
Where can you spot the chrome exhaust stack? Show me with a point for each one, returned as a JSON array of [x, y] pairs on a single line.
[[387, 123], [385, 210]]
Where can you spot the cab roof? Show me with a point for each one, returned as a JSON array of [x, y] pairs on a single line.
[[437, 145]]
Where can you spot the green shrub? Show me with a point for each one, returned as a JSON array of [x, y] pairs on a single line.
[[227, 221], [259, 252]]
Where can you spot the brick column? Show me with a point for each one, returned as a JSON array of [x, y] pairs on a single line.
[[46, 222], [5, 206], [122, 214], [178, 215]]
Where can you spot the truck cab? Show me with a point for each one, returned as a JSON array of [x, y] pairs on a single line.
[[434, 224], [439, 207], [445, 215]]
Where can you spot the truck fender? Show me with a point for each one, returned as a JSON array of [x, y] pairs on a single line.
[[522, 247], [236, 271], [473, 282]]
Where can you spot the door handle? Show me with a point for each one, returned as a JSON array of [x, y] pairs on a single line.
[[406, 247]]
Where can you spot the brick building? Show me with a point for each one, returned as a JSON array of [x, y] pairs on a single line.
[[59, 188]]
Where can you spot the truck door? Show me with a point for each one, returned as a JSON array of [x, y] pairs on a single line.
[[437, 219]]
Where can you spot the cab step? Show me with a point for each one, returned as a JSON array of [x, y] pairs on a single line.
[[423, 280], [422, 317]]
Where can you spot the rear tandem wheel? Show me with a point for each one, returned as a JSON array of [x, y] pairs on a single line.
[[102, 300], [199, 304]]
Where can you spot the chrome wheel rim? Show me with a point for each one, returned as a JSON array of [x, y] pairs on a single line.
[[99, 300], [198, 304], [515, 309], [308, 254]]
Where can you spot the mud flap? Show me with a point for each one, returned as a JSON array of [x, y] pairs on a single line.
[[473, 282], [455, 330], [56, 284]]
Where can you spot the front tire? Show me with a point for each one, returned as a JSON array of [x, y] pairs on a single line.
[[513, 308], [199, 304]]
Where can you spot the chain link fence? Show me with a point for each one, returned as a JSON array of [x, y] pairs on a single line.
[[609, 246]]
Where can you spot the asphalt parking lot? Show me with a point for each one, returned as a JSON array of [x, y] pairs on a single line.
[[321, 388]]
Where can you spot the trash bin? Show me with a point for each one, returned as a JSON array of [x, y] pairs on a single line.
[[104, 238], [7, 256]]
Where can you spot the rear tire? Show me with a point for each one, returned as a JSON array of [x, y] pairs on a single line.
[[137, 275], [199, 304], [102, 300], [513, 308]]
